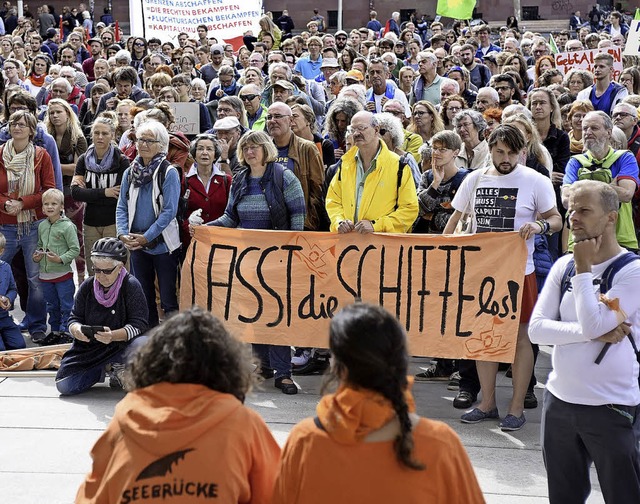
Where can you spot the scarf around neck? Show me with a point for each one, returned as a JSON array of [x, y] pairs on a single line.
[[20, 167], [109, 298], [142, 174], [91, 161], [349, 415], [575, 146]]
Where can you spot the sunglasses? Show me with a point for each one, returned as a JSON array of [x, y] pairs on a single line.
[[104, 271], [248, 97]]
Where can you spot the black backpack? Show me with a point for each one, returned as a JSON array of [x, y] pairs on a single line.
[[605, 283]]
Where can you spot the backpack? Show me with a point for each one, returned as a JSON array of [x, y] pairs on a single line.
[[605, 283]]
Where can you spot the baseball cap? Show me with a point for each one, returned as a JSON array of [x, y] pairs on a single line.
[[226, 123], [355, 74], [283, 84], [217, 49]]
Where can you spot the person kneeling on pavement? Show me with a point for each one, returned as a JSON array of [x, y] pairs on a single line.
[[108, 316]]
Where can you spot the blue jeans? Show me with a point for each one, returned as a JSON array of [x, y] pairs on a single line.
[[10, 335], [59, 298], [276, 357], [36, 314], [145, 267], [87, 378]]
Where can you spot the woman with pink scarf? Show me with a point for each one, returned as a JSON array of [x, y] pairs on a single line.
[[109, 314]]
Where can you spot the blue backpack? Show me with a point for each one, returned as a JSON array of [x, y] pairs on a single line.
[[605, 283]]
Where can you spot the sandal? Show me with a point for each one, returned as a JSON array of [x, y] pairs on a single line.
[[286, 385]]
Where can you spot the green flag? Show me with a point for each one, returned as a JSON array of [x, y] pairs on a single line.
[[637, 16], [456, 9], [554, 47]]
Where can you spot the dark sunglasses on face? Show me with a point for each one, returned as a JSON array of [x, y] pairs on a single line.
[[97, 271], [248, 97]]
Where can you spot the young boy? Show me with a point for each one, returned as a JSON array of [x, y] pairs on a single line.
[[10, 335], [58, 246]]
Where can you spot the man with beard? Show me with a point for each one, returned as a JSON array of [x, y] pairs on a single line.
[[604, 94], [600, 161], [507, 196], [341, 39], [480, 74], [507, 90]]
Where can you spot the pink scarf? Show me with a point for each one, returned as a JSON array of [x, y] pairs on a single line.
[[108, 299]]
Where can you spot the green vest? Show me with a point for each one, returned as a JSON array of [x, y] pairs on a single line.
[[592, 169]]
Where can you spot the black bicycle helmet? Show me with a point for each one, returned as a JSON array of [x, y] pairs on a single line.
[[110, 247]]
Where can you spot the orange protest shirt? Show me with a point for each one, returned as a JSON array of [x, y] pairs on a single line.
[[338, 464], [182, 443]]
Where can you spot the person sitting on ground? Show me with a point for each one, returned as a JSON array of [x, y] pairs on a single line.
[[108, 315], [369, 425], [187, 387]]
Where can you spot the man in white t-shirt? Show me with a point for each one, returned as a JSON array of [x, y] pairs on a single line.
[[508, 196], [591, 410]]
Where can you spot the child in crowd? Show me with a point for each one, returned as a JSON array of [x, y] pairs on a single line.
[[10, 335], [58, 246]]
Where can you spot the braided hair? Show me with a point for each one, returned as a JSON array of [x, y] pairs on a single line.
[[369, 345]]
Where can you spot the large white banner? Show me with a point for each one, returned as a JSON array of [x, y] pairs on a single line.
[[165, 19]]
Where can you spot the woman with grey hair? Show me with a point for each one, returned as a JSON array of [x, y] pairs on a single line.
[[337, 119], [355, 92], [392, 133], [146, 218], [474, 154], [576, 80]]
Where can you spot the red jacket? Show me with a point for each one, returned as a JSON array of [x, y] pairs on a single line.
[[212, 203], [43, 180]]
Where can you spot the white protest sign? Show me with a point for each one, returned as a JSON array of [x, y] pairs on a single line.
[[187, 118], [165, 19], [632, 47], [583, 60]]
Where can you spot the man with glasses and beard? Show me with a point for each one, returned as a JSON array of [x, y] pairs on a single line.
[[600, 161]]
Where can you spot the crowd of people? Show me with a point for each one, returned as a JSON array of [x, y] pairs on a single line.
[[392, 129]]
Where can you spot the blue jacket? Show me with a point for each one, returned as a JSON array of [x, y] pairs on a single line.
[[7, 285]]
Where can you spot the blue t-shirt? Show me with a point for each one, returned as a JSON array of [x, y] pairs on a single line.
[[283, 158]]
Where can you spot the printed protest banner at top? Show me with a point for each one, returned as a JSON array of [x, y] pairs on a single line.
[[565, 61], [456, 296], [632, 47], [227, 20]]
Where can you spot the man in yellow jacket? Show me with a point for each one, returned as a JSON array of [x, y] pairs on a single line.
[[371, 192]]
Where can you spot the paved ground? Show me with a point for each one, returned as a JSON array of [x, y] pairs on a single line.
[[45, 440]]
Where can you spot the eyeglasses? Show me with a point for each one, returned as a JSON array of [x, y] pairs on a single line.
[[419, 113], [147, 142], [360, 128], [277, 117], [502, 88], [623, 114], [248, 97], [99, 271], [9, 68], [138, 44], [18, 125]]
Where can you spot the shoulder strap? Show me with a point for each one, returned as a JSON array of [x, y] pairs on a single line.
[[607, 277], [318, 424], [565, 283], [402, 162]]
